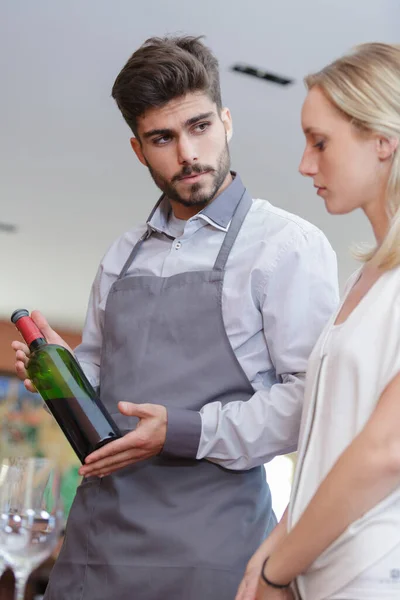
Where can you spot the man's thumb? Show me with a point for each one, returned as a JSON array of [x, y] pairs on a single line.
[[42, 323], [129, 409], [51, 336]]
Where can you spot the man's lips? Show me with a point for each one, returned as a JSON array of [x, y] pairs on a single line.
[[193, 176]]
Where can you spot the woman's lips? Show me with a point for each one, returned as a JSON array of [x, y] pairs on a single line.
[[320, 190]]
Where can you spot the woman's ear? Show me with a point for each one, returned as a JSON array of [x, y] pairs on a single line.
[[137, 148], [386, 147]]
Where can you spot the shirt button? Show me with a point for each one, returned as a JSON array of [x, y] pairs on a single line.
[[178, 245]]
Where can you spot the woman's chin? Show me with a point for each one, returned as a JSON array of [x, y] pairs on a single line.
[[337, 209]]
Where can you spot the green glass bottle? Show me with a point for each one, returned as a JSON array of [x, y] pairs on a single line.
[[64, 387]]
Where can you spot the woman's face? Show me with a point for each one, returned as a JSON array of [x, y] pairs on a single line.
[[349, 167]]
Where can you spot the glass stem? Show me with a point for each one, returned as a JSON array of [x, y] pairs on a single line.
[[20, 585]]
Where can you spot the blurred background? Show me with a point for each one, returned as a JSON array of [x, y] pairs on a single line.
[[70, 184]]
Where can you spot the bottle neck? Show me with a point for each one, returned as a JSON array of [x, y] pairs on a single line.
[[36, 343], [30, 332]]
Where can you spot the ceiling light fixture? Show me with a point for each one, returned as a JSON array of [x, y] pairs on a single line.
[[261, 74], [8, 228]]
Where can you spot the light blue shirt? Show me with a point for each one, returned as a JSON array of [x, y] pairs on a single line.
[[280, 288]]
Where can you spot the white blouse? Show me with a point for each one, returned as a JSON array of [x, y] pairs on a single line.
[[348, 370]]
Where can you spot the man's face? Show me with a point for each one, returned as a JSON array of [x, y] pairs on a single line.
[[185, 146]]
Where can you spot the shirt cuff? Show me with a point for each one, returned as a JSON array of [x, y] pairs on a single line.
[[183, 433]]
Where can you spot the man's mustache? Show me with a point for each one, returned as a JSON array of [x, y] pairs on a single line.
[[190, 170]]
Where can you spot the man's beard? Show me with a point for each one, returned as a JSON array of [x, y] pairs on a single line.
[[197, 196]]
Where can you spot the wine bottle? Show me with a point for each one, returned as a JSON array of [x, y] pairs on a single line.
[[70, 397]]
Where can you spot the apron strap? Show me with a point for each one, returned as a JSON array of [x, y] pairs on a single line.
[[139, 243], [133, 253], [236, 223]]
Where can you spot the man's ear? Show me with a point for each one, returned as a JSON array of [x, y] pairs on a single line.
[[226, 118], [137, 148], [386, 147]]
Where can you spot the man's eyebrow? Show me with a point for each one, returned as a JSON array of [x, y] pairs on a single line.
[[200, 117], [153, 132], [188, 123]]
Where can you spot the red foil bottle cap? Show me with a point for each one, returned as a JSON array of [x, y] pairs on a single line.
[[27, 328]]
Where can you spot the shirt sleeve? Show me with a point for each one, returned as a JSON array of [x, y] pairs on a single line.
[[299, 296], [89, 350]]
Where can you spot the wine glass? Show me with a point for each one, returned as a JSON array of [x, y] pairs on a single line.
[[30, 515], [3, 565]]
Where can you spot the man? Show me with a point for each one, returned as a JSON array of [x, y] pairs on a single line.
[[201, 321]]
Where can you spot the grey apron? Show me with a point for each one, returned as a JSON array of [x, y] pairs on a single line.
[[167, 528]]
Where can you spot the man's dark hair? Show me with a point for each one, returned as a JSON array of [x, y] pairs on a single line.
[[163, 69]]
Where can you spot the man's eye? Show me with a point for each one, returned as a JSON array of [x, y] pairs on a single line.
[[200, 127], [160, 141]]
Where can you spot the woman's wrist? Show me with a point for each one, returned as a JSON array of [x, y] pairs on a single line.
[[268, 581]]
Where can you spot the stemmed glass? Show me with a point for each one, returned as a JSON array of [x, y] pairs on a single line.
[[30, 515], [3, 566]]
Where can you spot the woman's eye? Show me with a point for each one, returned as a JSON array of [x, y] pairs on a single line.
[[320, 145]]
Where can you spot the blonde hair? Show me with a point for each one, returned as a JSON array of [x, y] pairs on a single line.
[[365, 86]]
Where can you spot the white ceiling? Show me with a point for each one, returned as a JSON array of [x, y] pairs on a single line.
[[68, 178]]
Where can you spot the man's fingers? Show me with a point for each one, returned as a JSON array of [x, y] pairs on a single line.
[[22, 357], [111, 464], [16, 345], [22, 375], [111, 449], [120, 466], [29, 386], [20, 370], [110, 461]]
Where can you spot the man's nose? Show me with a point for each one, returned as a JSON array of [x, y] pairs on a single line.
[[187, 151]]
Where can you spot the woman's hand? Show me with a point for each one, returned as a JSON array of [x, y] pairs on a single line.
[[267, 592], [250, 582], [253, 587]]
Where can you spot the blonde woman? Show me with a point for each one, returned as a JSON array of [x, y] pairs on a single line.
[[340, 537]]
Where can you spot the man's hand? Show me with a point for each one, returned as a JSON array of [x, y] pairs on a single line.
[[145, 441], [22, 350]]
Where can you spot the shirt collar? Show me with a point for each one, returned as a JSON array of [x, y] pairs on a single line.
[[218, 213], [158, 219]]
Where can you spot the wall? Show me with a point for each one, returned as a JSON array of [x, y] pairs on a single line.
[[8, 333]]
